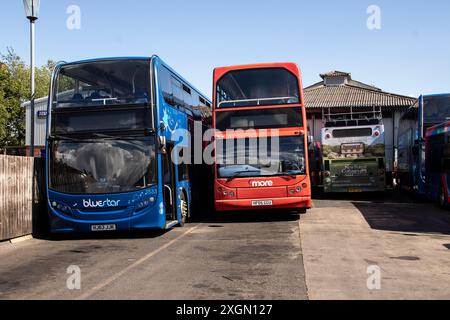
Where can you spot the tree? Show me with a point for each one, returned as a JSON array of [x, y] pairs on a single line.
[[14, 90], [4, 80]]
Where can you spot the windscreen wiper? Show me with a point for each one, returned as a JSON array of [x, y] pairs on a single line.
[[111, 137], [63, 138], [104, 136], [292, 173], [238, 173]]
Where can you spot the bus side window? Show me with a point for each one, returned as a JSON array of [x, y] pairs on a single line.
[[176, 93], [177, 89], [166, 85], [187, 97]]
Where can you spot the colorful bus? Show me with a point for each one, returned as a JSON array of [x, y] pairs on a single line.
[[428, 111], [109, 141], [261, 138], [437, 168], [353, 152]]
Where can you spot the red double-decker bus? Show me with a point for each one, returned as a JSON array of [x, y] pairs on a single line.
[[261, 138]]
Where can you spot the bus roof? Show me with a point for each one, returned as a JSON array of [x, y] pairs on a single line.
[[153, 57], [64, 63], [435, 95], [291, 66]]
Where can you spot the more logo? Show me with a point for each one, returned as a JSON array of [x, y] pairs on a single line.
[[265, 183]]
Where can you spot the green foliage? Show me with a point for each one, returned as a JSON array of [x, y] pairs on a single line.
[[15, 89]]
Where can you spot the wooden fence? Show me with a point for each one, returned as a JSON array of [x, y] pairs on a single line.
[[20, 209]]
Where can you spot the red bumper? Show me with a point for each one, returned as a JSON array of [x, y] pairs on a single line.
[[277, 203]]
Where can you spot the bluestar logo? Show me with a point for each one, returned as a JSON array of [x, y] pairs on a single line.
[[100, 203]]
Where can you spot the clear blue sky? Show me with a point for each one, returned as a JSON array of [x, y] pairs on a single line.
[[409, 55]]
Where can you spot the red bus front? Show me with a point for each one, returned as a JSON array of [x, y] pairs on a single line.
[[261, 138]]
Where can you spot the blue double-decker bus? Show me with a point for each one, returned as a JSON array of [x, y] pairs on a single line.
[[428, 111], [110, 137]]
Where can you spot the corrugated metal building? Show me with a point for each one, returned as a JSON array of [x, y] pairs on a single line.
[[40, 118], [338, 91]]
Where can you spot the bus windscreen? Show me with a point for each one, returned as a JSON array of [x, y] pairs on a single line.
[[252, 157], [99, 166]]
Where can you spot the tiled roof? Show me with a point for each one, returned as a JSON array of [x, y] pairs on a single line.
[[322, 96]]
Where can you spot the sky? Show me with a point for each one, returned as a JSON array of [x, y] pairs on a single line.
[[400, 46]]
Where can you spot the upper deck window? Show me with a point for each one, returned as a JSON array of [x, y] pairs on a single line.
[[257, 87], [109, 82], [436, 109]]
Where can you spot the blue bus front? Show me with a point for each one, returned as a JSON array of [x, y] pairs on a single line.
[[102, 149], [429, 111]]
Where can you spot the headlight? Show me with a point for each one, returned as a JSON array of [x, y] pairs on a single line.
[[145, 203], [60, 207]]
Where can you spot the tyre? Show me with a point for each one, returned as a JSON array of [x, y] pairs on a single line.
[[184, 206]]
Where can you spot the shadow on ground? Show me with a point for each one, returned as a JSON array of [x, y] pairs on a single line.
[[378, 197], [409, 218], [248, 217], [213, 218]]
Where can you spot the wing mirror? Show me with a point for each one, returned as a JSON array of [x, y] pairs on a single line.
[[162, 138], [162, 143], [162, 126]]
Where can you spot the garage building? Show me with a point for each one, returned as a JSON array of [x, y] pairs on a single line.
[[339, 92]]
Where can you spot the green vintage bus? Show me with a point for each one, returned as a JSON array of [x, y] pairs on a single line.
[[353, 151]]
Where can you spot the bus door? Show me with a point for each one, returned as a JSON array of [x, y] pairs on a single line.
[[169, 183]]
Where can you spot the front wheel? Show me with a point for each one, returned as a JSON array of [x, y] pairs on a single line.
[[184, 207]]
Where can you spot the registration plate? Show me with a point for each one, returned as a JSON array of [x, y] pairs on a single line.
[[355, 190], [103, 227], [262, 203]]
